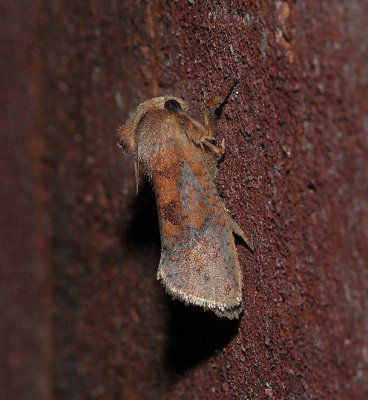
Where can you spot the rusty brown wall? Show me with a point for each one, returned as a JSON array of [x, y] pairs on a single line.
[[81, 313]]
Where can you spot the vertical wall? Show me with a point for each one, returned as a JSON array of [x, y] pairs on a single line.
[[25, 306], [82, 314]]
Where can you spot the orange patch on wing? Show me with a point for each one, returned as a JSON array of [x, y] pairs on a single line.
[[171, 230]]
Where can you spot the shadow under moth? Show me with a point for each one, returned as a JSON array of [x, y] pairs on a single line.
[[199, 264]]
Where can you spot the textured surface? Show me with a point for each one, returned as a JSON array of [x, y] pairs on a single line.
[[24, 299], [84, 316]]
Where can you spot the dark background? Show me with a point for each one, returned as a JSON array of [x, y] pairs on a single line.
[[81, 313]]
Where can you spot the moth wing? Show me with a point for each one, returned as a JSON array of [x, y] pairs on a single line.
[[200, 265]]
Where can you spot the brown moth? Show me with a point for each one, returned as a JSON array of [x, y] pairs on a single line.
[[199, 264]]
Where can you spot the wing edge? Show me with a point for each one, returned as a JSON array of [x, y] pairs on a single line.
[[233, 311]]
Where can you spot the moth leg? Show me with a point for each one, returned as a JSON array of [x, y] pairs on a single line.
[[238, 231], [213, 104], [201, 140], [204, 136], [136, 167], [136, 175], [206, 141]]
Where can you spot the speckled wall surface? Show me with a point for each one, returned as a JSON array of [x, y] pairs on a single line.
[[82, 313]]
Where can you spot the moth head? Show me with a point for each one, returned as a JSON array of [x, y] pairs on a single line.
[[127, 133]]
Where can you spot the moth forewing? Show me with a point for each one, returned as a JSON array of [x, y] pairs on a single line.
[[198, 263]]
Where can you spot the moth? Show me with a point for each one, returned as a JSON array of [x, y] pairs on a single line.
[[199, 263]]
